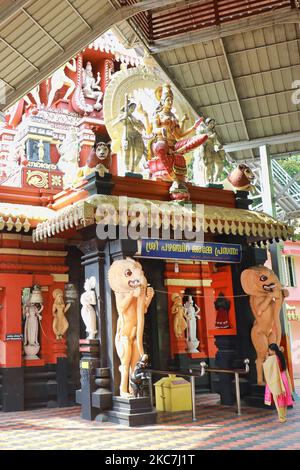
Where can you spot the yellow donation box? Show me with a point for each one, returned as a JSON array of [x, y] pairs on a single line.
[[173, 394]]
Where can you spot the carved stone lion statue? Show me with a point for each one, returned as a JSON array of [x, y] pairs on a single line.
[[126, 278], [240, 179], [266, 298], [98, 161]]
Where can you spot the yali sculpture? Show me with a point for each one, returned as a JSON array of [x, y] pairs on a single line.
[[266, 298], [133, 296]]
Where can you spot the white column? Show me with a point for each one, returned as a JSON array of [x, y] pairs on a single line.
[[267, 183]]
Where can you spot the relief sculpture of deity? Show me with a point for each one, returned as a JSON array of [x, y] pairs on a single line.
[[132, 143], [179, 312], [69, 151], [210, 154], [59, 309], [90, 86], [60, 79]]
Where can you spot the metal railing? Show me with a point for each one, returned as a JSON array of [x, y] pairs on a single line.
[[286, 202], [193, 373]]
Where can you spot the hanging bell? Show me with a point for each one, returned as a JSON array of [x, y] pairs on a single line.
[[36, 295], [71, 293]]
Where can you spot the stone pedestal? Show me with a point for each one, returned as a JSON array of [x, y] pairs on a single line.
[[99, 185], [95, 393], [89, 348], [62, 382], [132, 411], [31, 351], [192, 346], [225, 358]]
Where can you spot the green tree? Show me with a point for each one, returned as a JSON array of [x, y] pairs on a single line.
[[291, 165]]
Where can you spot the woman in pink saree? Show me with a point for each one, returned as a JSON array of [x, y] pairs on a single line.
[[278, 384]]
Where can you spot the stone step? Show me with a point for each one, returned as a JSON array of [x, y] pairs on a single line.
[[132, 405], [134, 419], [121, 409]]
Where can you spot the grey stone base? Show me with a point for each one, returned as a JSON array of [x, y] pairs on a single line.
[[132, 412]]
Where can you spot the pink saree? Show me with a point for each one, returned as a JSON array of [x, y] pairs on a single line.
[[284, 398]]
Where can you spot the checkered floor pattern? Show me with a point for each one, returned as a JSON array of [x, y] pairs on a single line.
[[217, 427]]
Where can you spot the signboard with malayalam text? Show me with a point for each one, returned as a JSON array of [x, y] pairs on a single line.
[[185, 250], [13, 337]]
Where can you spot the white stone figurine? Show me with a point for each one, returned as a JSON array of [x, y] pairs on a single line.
[[69, 155], [88, 313], [91, 88], [32, 313], [60, 79], [192, 311]]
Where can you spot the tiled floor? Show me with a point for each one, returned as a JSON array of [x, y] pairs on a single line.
[[218, 427]]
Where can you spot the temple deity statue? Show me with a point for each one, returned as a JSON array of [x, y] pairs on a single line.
[[179, 313], [132, 144], [90, 86], [222, 306], [59, 309], [69, 156], [32, 310], [209, 155], [133, 296], [191, 315], [41, 151], [88, 313], [59, 79], [168, 146]]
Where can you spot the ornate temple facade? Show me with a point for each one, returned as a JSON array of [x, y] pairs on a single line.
[[64, 220]]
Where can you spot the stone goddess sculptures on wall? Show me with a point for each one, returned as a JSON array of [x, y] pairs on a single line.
[[191, 316], [88, 313], [178, 310], [32, 310], [60, 323]]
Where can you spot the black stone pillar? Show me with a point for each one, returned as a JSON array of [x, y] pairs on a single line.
[[62, 381], [244, 316], [225, 359], [156, 333], [88, 365], [13, 389], [94, 361], [76, 327]]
